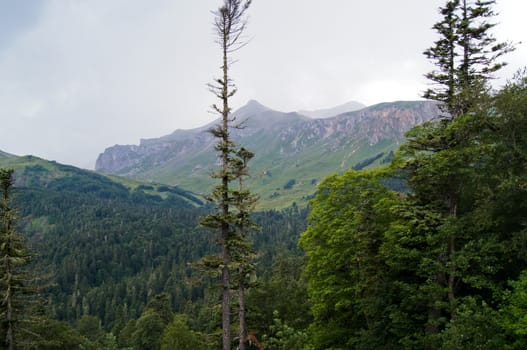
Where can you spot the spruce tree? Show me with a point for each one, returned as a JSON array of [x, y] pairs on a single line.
[[466, 55], [444, 55], [16, 289], [229, 25]]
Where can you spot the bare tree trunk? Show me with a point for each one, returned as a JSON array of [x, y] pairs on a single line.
[[226, 276]]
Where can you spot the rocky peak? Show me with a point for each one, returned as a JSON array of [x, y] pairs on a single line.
[[250, 108]]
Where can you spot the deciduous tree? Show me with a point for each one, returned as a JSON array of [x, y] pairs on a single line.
[[347, 282]]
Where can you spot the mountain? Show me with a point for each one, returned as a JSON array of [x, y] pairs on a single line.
[[331, 112], [293, 152], [34, 173]]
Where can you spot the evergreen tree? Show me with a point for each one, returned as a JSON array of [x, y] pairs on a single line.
[[444, 55], [229, 25], [282, 289], [243, 252], [178, 336], [150, 326], [466, 55], [440, 156], [16, 288]]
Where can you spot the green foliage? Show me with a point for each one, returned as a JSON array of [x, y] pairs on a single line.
[[284, 337], [465, 55], [48, 334], [125, 337], [110, 256], [475, 327], [148, 331], [18, 291], [367, 162], [178, 336], [90, 327], [427, 268], [514, 313], [110, 250], [281, 289], [160, 304], [346, 279]]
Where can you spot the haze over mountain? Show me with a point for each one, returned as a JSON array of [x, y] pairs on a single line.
[[333, 111], [293, 152]]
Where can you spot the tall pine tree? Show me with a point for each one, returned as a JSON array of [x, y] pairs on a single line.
[[232, 205]]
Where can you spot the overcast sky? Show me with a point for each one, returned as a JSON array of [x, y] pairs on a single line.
[[77, 76]]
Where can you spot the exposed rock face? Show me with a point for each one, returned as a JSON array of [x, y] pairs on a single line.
[[132, 160], [387, 121], [274, 137]]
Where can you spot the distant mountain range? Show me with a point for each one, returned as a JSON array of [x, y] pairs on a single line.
[[294, 152]]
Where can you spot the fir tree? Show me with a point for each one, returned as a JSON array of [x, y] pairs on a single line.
[[16, 288], [229, 26], [466, 55]]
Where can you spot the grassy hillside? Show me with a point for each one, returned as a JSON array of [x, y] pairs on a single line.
[[37, 173]]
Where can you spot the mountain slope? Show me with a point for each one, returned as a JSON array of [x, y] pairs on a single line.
[[331, 112], [39, 174], [293, 152]]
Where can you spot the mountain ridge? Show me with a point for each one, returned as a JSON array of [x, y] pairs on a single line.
[[288, 146], [322, 113]]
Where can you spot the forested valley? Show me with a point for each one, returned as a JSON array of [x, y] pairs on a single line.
[[427, 251], [118, 264]]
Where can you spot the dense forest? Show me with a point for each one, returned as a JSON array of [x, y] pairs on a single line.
[[440, 264], [427, 252], [106, 254]]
